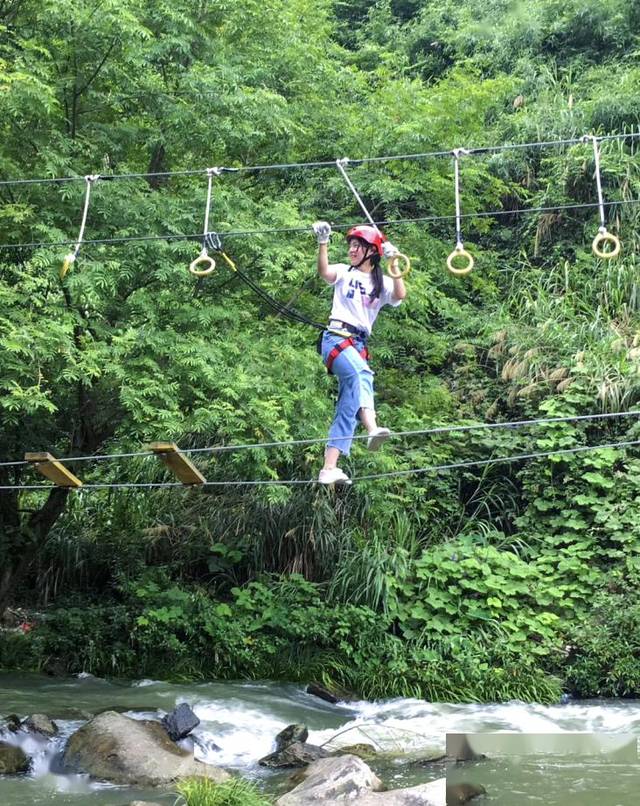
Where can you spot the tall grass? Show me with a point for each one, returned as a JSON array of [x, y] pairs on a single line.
[[369, 569], [578, 327], [234, 792]]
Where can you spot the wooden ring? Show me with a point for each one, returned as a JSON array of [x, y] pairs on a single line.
[[606, 237], [394, 270], [463, 254], [204, 258]]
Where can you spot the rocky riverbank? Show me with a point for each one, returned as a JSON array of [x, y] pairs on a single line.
[[125, 750]]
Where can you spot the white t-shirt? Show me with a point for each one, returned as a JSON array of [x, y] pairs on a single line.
[[351, 300]]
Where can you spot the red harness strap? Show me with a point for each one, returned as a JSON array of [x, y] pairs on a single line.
[[364, 353]]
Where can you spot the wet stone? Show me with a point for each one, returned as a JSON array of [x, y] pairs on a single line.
[[290, 735], [122, 750], [11, 723], [40, 723], [361, 750], [297, 754], [463, 793], [12, 759], [322, 692], [180, 722]]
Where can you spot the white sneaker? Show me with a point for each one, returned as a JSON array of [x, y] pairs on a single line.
[[333, 476], [377, 437]]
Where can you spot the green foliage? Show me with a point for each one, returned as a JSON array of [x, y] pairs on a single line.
[[76, 636], [461, 669], [603, 644], [285, 630], [235, 792], [461, 587], [404, 586]]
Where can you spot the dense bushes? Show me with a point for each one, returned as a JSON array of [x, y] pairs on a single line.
[[604, 644], [283, 630]]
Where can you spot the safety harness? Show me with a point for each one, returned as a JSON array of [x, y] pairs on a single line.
[[364, 353]]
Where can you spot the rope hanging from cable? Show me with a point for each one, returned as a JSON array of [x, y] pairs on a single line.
[[604, 236], [71, 257], [393, 256]]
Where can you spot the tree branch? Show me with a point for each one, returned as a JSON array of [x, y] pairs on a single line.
[[79, 90]]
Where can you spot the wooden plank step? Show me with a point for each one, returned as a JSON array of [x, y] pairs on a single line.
[[177, 462], [53, 469]]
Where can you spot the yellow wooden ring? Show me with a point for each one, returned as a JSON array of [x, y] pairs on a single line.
[[607, 237], [204, 258], [463, 254], [394, 270]]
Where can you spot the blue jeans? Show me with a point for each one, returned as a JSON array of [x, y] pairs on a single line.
[[355, 390]]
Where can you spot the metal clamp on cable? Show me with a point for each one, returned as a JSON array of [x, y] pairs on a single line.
[[603, 237], [213, 241]]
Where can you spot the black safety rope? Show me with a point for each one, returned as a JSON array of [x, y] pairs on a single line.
[[213, 241]]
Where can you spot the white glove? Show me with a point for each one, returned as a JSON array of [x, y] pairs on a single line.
[[323, 230], [389, 250]]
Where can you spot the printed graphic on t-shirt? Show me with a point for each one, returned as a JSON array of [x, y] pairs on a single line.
[[355, 287], [352, 302]]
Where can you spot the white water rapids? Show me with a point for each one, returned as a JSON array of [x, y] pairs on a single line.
[[238, 723]]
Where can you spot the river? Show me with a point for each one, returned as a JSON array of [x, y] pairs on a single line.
[[240, 720]]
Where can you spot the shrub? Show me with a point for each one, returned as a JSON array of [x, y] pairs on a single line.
[[604, 659], [235, 792]]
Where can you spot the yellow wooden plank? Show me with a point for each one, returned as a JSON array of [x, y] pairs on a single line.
[[52, 469], [177, 462]]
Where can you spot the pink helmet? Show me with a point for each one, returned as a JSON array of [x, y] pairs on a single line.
[[370, 235]]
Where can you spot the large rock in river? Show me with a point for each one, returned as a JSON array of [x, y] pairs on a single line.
[[12, 759], [349, 780], [116, 748], [290, 735], [180, 722], [331, 780], [40, 723]]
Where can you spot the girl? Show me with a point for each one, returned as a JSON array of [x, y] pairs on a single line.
[[360, 291]]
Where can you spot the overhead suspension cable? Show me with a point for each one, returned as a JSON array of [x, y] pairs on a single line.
[[445, 429], [328, 163], [496, 460], [294, 230], [370, 477]]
